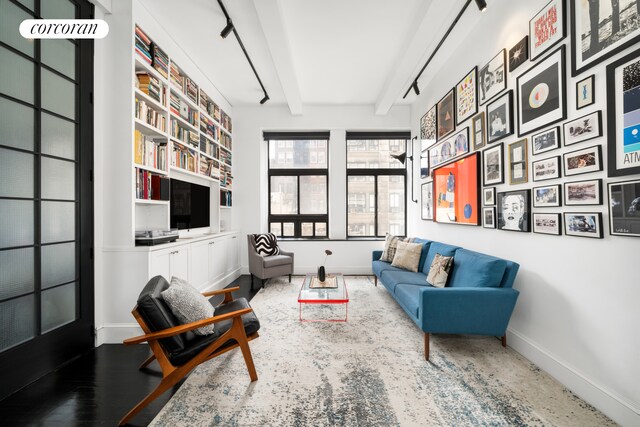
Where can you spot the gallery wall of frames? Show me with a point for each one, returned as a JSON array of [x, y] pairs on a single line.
[[508, 159]]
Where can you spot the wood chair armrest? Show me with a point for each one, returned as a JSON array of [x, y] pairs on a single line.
[[221, 291], [186, 327]]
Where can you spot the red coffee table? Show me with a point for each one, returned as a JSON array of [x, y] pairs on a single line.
[[327, 296]]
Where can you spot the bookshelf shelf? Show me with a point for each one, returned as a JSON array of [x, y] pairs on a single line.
[[150, 169], [190, 173], [156, 105], [184, 97], [152, 202], [147, 129], [185, 123], [143, 66], [203, 154]]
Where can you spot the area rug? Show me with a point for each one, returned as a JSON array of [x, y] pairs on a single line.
[[369, 371]]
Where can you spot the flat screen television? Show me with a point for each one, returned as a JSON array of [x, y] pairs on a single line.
[[189, 205]]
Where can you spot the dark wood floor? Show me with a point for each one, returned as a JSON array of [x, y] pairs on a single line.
[[97, 388]]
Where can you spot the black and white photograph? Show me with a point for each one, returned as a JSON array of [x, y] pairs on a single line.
[[518, 161], [585, 92], [602, 28], [489, 217], [492, 165], [546, 140], [492, 78], [541, 94], [583, 161], [546, 169], [427, 201], [547, 196], [519, 53], [547, 223], [424, 164], [489, 196], [583, 224], [546, 28], [514, 211], [583, 128], [500, 118], [583, 193], [477, 126], [624, 208]]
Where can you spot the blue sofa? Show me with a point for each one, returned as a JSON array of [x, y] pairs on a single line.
[[478, 298]]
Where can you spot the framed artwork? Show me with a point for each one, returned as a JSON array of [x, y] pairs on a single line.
[[546, 169], [623, 115], [518, 161], [546, 29], [547, 196], [583, 128], [492, 161], [424, 164], [500, 117], [583, 161], [489, 217], [583, 193], [600, 31], [547, 223], [427, 201], [477, 126], [624, 208], [428, 129], [456, 195], [467, 96], [583, 224], [519, 54], [445, 111], [489, 196], [585, 94], [492, 78], [449, 149], [514, 212], [546, 140], [541, 92]]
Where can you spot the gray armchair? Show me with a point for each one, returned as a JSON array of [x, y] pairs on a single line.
[[268, 266]]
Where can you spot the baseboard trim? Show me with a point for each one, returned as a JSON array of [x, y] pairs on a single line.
[[302, 270], [615, 407]]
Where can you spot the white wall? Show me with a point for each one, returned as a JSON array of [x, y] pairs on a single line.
[[577, 314]]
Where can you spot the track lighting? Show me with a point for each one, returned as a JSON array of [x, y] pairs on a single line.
[[265, 99], [482, 5], [227, 30], [415, 87]]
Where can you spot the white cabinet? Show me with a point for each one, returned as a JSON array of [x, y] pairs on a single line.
[[217, 259], [170, 262], [233, 254], [199, 264]]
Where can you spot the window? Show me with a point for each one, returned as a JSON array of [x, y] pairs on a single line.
[[298, 183], [376, 182]]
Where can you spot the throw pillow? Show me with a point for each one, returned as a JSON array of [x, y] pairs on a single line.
[[407, 256], [188, 305], [266, 244], [390, 244], [439, 271]]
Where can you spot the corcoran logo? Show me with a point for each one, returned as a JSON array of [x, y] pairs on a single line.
[[64, 29]]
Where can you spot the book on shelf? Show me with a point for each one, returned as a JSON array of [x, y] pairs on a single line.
[[208, 127], [151, 86], [160, 61], [183, 158], [149, 152], [149, 115], [143, 46], [225, 121], [149, 185], [225, 141], [183, 134], [225, 198]]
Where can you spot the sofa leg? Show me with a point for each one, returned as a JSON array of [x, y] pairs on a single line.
[[252, 282], [262, 283], [289, 278], [504, 340], [375, 280], [426, 346]]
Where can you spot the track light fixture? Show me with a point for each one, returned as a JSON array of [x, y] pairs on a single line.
[[265, 99], [415, 87], [227, 30], [482, 5]]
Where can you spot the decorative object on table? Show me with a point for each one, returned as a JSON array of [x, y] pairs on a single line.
[[541, 90], [623, 112], [439, 270], [424, 164], [519, 54], [514, 210], [492, 78], [546, 140], [428, 129], [582, 161], [427, 201], [492, 170], [546, 28], [489, 217], [583, 224], [518, 161], [624, 208], [547, 223], [585, 94], [451, 148], [583, 193], [477, 126], [467, 96], [445, 112], [329, 282], [489, 196], [547, 196], [456, 193], [321, 270], [546, 169], [601, 32], [266, 244], [583, 128], [500, 117]]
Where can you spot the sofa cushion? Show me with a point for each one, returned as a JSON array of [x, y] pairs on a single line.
[[275, 260], [437, 248], [266, 244], [390, 244], [409, 298], [439, 271], [407, 256], [474, 270], [188, 305], [379, 266], [391, 278], [425, 250]]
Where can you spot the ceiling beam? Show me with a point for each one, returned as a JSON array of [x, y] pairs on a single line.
[[273, 26]]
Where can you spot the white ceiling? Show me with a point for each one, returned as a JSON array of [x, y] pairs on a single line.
[[310, 51]]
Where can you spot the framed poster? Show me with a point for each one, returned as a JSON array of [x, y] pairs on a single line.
[[489, 217], [519, 54], [428, 129], [547, 223], [582, 193], [445, 112], [489, 196], [546, 197], [583, 224], [623, 115], [518, 161], [624, 208], [600, 30], [456, 193], [500, 117], [583, 128], [546, 140], [514, 212], [583, 161], [546, 29], [492, 78], [541, 90], [427, 201], [424, 164], [492, 161], [585, 94], [477, 126], [546, 169], [467, 96], [449, 149]]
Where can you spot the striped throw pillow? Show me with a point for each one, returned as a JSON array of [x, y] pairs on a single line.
[[266, 244]]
